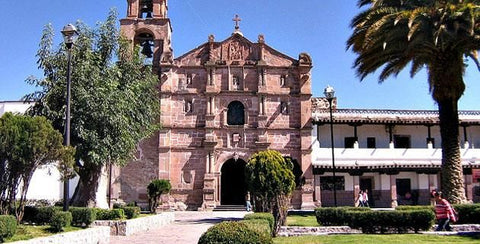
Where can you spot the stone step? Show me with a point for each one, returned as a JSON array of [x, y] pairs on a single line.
[[229, 208]]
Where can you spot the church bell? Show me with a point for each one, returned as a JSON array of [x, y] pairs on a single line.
[[148, 10], [147, 49]]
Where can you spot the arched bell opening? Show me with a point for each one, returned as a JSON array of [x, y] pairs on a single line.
[[146, 9], [147, 46], [233, 183]]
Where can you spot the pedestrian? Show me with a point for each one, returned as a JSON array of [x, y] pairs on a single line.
[[444, 213], [365, 198], [247, 202], [360, 199]]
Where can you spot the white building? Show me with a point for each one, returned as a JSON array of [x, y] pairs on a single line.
[[45, 184], [394, 154]]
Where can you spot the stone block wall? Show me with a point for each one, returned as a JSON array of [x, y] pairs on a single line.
[[132, 226], [96, 235]]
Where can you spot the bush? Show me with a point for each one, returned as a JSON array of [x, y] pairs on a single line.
[[131, 212], [59, 220], [8, 226], [107, 214], [44, 215], [336, 216], [261, 226], [233, 232], [155, 189], [417, 207], [30, 214], [391, 221], [266, 216], [468, 213], [82, 216]]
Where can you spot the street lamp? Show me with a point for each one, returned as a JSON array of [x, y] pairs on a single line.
[[69, 33], [329, 95]]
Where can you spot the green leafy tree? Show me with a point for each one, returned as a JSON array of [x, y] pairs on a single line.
[[155, 190], [390, 35], [26, 143], [270, 181], [114, 100]]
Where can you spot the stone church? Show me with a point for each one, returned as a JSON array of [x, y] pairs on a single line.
[[221, 102]]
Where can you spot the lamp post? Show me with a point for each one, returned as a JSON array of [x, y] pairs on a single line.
[[329, 95], [69, 33]]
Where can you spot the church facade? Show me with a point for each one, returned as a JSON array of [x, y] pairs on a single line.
[[227, 99], [220, 103]]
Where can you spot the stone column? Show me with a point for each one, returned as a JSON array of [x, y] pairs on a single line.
[[469, 187], [356, 188], [318, 191], [393, 191]]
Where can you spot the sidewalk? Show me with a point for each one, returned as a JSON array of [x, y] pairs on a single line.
[[187, 228]]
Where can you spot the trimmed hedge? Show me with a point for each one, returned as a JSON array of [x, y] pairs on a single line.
[[107, 214], [59, 220], [131, 212], [233, 232], [468, 213], [265, 216], [82, 216], [392, 221], [30, 214], [44, 215], [261, 226], [368, 221], [8, 226], [338, 216]]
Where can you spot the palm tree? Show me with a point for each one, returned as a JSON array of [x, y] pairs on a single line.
[[391, 34]]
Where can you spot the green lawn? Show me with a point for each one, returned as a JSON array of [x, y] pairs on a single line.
[[302, 219], [26, 232], [393, 238]]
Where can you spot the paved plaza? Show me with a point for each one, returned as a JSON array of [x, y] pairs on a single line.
[[187, 228]]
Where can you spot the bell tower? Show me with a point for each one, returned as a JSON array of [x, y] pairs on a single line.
[[147, 25]]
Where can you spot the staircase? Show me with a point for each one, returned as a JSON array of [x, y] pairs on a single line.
[[229, 208]]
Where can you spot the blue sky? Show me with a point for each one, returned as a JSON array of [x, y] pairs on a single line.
[[319, 28]]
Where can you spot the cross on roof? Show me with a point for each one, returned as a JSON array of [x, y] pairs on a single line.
[[237, 19]]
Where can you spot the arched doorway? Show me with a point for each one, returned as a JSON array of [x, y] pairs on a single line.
[[233, 182]]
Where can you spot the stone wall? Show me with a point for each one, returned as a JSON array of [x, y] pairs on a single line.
[[96, 235], [132, 226]]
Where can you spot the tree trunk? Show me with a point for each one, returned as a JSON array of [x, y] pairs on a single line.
[[447, 86], [90, 191], [452, 171]]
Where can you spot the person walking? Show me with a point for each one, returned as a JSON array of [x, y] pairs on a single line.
[[365, 198], [444, 213], [247, 202], [360, 199]]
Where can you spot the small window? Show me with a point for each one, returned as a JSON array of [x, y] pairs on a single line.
[[401, 141], [326, 183], [283, 80], [284, 107], [371, 142], [188, 106], [350, 141], [236, 83], [189, 79]]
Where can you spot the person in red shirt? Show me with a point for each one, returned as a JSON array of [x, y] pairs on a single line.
[[444, 212]]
